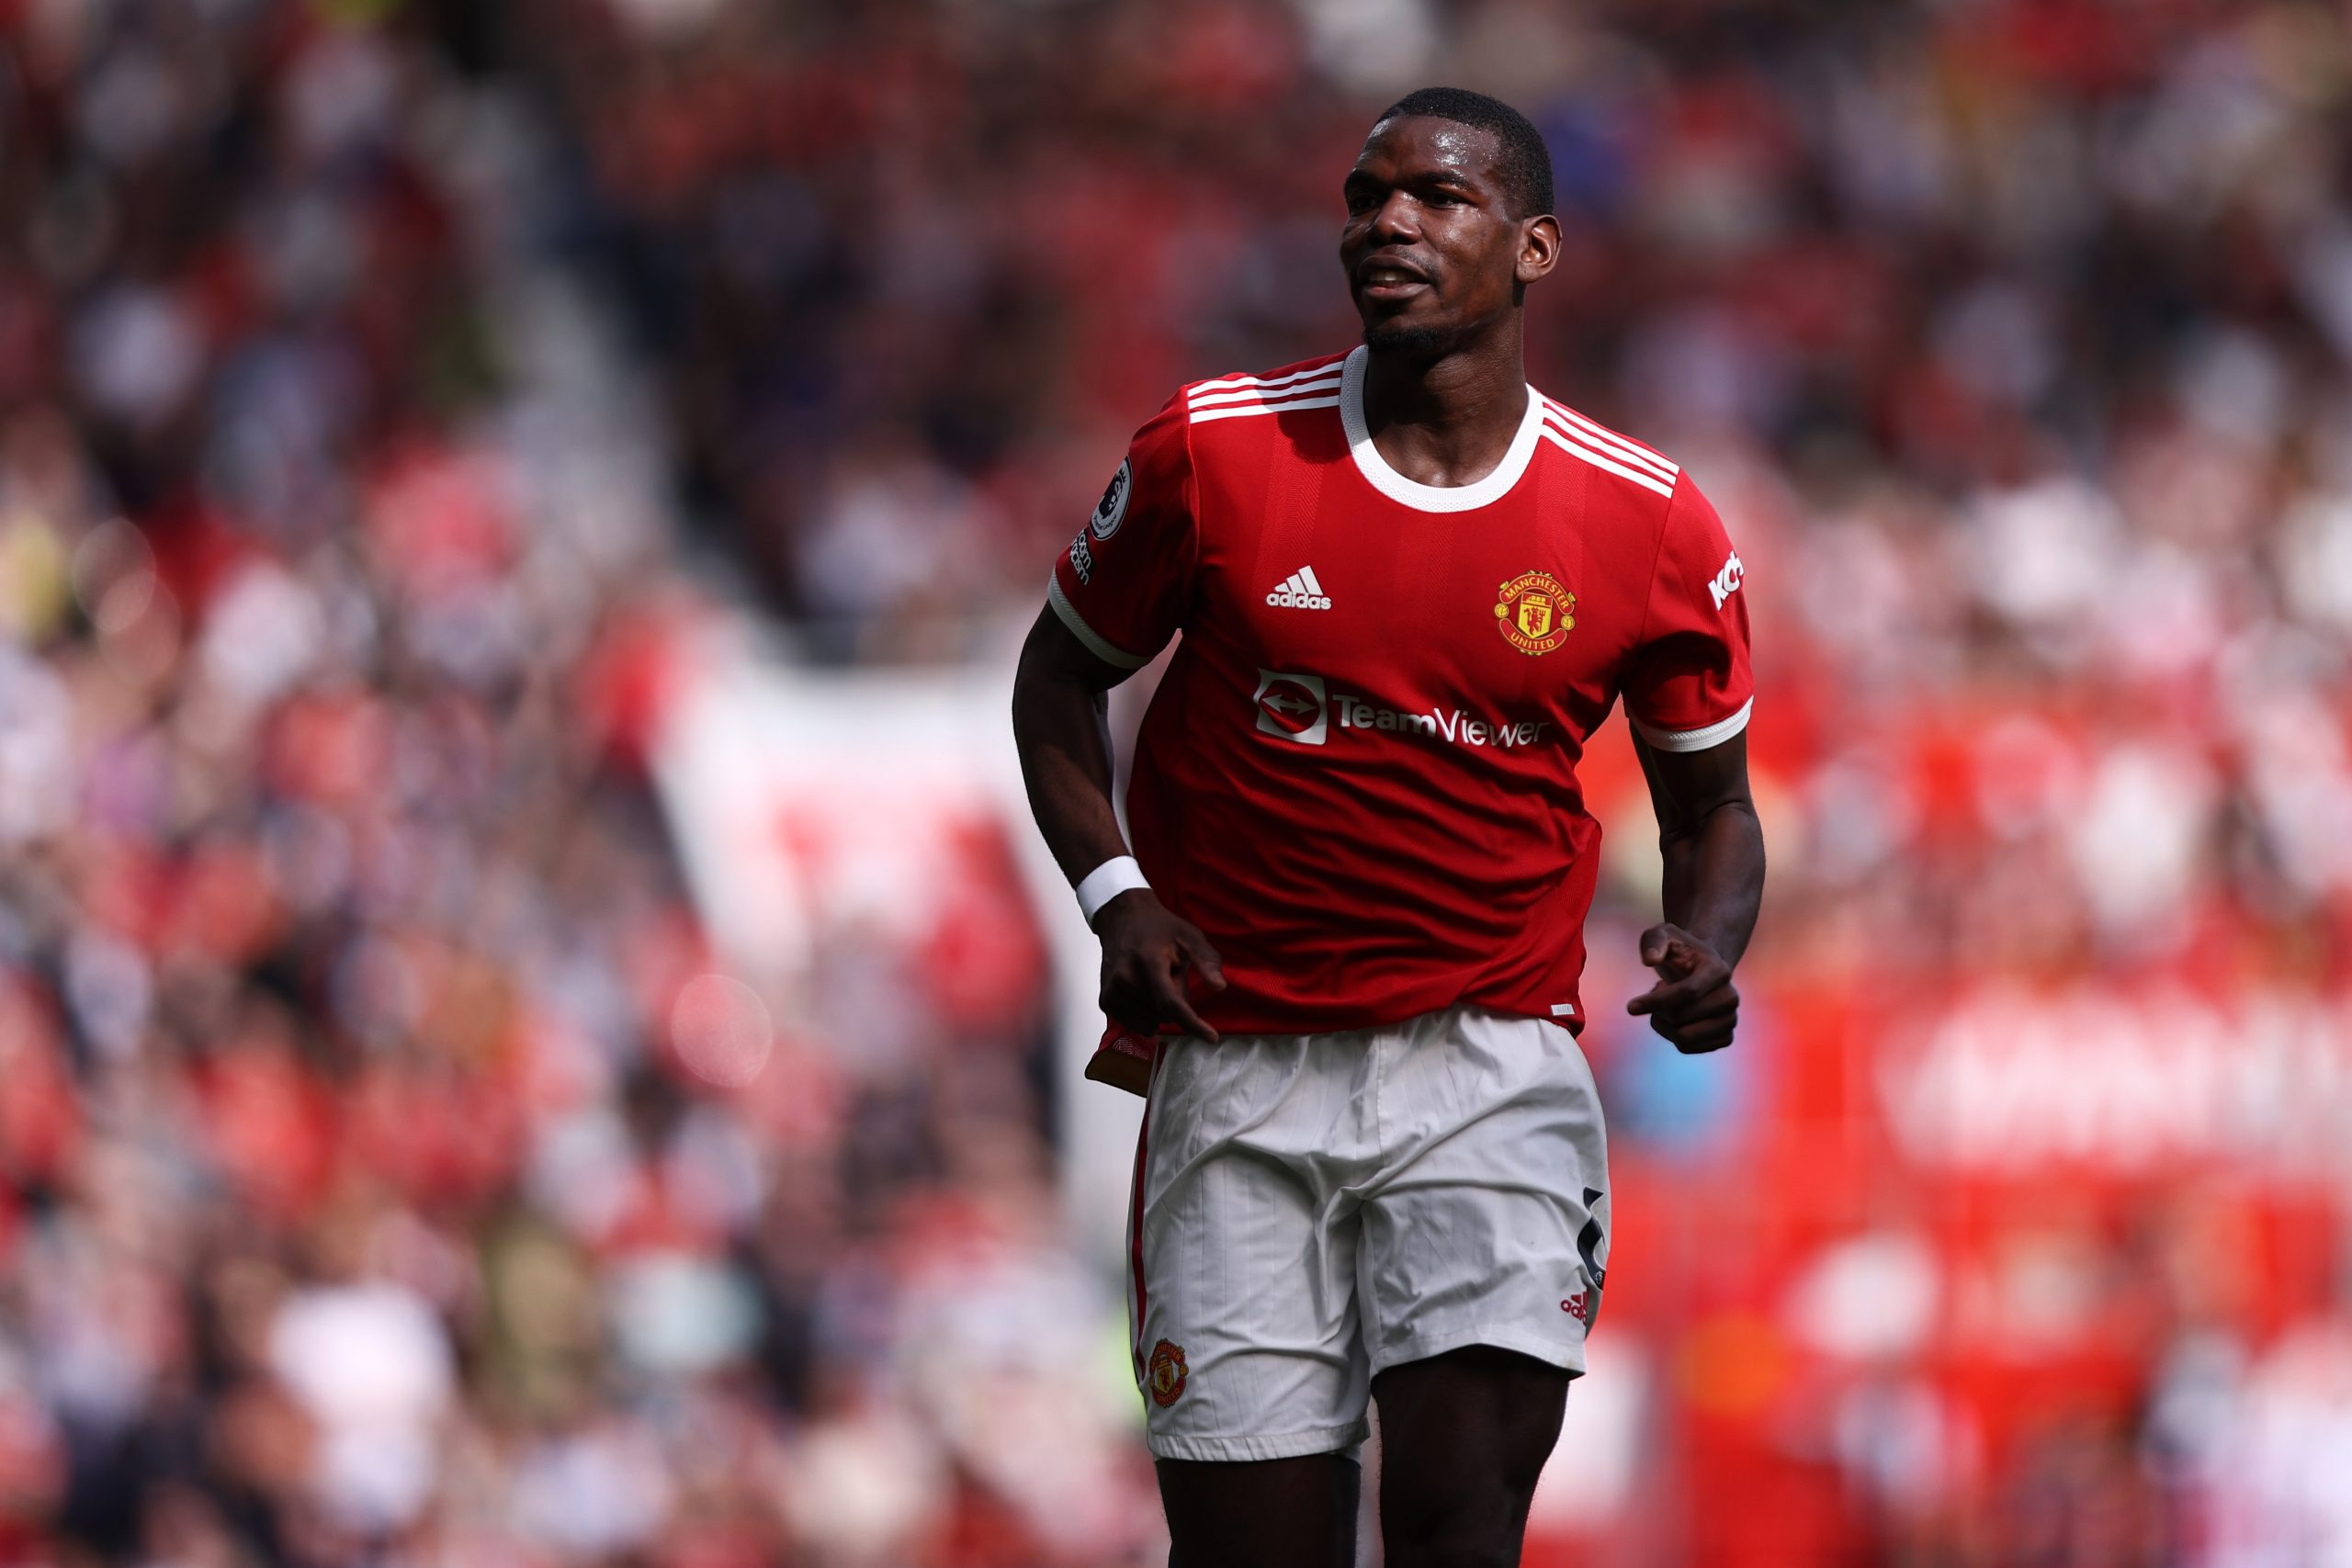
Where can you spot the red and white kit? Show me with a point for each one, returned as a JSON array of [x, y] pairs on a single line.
[[1358, 776]]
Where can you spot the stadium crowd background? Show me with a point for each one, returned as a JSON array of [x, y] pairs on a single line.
[[388, 390]]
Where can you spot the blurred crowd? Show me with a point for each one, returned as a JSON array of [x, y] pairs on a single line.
[[385, 1179], [387, 388]]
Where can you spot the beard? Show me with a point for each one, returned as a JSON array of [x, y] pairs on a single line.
[[1412, 342]]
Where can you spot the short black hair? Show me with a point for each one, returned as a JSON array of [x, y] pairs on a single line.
[[1525, 166]]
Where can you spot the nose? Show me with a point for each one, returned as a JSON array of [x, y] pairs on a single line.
[[1392, 223]]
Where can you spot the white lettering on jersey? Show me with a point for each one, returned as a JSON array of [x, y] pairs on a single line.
[[1299, 591], [1299, 708], [1449, 724], [1728, 579]]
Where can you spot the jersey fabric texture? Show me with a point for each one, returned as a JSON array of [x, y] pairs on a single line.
[[1358, 775], [1312, 1210]]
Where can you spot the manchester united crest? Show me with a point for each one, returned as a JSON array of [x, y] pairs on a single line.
[[1164, 1373], [1534, 614]]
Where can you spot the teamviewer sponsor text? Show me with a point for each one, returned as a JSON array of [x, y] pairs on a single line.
[[1453, 724]]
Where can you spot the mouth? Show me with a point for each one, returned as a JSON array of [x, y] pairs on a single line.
[[1386, 280]]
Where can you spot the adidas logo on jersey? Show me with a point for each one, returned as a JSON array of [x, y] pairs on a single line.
[[1299, 591]]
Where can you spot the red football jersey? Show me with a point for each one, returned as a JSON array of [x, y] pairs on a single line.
[[1359, 775]]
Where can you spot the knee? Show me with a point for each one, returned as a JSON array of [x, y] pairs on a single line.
[[1480, 1526]]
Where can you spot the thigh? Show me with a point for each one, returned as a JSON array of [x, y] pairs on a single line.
[[1463, 1439], [1243, 1261], [1488, 1225], [1281, 1513]]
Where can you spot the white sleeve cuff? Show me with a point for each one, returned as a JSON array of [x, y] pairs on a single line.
[[1108, 653], [1715, 734]]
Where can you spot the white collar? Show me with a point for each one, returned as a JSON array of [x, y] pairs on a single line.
[[1411, 492]]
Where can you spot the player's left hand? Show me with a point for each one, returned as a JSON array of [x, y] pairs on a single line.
[[1694, 1003]]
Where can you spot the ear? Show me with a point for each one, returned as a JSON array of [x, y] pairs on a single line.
[[1539, 248]]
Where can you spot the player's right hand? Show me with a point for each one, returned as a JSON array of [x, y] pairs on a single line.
[[1148, 953]]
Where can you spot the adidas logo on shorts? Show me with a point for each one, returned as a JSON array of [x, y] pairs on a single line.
[[1299, 591]]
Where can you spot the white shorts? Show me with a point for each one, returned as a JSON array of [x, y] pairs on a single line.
[[1312, 1210]]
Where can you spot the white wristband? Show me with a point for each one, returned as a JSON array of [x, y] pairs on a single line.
[[1106, 882]]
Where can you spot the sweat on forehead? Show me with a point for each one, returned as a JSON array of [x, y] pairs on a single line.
[[1474, 149], [1521, 167]]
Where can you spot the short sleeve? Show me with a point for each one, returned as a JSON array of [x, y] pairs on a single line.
[[1690, 687], [1123, 584]]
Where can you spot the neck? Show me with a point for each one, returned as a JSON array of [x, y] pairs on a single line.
[[1446, 417]]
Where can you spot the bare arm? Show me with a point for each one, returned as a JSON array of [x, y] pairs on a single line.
[[1713, 849], [1060, 724], [1059, 727]]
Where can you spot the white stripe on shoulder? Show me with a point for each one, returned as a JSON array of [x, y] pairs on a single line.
[[1204, 417], [1243, 394], [1715, 734], [1641, 477], [1602, 436], [1109, 653], [1331, 369]]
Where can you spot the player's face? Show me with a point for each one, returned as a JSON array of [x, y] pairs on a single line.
[[1432, 251]]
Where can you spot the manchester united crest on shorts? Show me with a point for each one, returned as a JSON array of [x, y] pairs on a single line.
[[1534, 614], [1164, 1373]]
